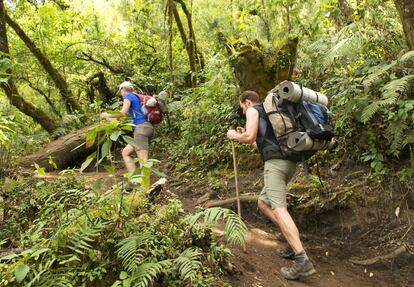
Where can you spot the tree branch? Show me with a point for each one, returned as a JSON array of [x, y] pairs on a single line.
[[104, 62]]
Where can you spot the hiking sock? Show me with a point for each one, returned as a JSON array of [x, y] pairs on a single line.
[[301, 257]]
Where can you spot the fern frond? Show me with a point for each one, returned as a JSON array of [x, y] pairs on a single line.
[[80, 240], [396, 87], [130, 251], [235, 229], [188, 263], [407, 57], [346, 42], [395, 134], [390, 93], [146, 273], [212, 215], [193, 218], [377, 73], [408, 138]]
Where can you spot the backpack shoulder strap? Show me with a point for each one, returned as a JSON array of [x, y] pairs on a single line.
[[140, 97]]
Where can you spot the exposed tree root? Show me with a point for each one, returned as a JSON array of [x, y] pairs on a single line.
[[252, 198], [402, 249]]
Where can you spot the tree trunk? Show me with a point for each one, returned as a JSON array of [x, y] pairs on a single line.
[[259, 70], [10, 88], [61, 151], [98, 82], [187, 45], [169, 9], [60, 82], [406, 10], [195, 57]]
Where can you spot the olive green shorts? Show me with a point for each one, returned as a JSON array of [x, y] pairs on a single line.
[[142, 135], [277, 174]]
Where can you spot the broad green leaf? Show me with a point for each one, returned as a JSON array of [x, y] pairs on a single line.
[[115, 135], [123, 275], [87, 162], [9, 257], [97, 185], [106, 148], [20, 272], [51, 161], [129, 141], [128, 127], [109, 168], [90, 137]]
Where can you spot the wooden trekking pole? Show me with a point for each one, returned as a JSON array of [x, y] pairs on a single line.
[[236, 181]]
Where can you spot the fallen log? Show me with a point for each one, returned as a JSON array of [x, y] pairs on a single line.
[[61, 152], [251, 198]]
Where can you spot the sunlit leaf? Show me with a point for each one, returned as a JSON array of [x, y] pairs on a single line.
[[20, 272]]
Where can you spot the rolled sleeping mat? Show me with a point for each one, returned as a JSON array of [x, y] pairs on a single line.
[[281, 123], [300, 141], [292, 92]]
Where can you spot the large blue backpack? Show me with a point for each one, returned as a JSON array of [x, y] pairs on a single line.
[[301, 128]]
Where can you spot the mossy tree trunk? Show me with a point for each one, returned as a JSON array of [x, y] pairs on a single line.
[[261, 70], [406, 10], [97, 82], [195, 57], [10, 88]]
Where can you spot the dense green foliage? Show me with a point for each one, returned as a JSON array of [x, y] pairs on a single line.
[[72, 236], [357, 57]]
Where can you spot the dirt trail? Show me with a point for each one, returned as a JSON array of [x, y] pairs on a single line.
[[260, 265]]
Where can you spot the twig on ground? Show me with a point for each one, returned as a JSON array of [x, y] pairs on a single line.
[[408, 230]]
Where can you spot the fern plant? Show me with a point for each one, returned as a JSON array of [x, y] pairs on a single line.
[[390, 94], [131, 251], [146, 273], [189, 263], [235, 230]]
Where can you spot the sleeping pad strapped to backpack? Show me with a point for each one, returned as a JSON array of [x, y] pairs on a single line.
[[301, 124]]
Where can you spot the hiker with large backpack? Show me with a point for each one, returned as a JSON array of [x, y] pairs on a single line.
[[137, 108], [279, 168]]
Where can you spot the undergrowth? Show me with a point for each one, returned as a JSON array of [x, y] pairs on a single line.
[[67, 235]]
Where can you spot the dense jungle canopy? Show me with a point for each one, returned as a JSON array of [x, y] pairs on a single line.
[[61, 62]]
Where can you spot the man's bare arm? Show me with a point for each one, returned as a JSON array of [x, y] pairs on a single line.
[[252, 125]]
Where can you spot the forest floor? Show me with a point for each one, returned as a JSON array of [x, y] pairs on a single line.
[[329, 244], [331, 239]]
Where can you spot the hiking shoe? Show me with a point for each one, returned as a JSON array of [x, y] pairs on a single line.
[[286, 252], [297, 270]]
